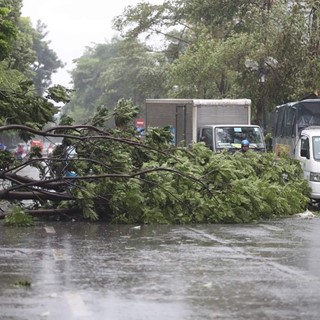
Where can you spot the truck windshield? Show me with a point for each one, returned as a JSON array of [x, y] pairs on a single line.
[[316, 147], [231, 137]]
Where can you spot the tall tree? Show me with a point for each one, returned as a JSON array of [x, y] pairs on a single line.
[[9, 11], [19, 103], [111, 71], [46, 62]]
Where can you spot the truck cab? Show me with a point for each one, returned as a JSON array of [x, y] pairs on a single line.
[[229, 137], [307, 152]]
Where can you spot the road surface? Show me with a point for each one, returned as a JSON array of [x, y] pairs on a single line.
[[97, 271]]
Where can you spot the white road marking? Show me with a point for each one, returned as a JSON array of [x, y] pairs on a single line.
[[76, 304], [58, 254], [50, 229]]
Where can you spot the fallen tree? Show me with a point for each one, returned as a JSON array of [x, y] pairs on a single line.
[[118, 176]]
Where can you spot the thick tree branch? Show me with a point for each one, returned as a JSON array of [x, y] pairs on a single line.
[[32, 195], [103, 135]]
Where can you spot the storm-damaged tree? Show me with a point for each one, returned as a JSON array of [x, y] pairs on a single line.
[[122, 177]]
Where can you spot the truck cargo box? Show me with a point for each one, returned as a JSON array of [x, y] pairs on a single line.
[[186, 116]]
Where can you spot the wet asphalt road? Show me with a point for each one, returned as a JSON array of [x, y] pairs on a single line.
[[97, 271]]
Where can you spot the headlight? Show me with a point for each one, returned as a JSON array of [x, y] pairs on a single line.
[[315, 176]]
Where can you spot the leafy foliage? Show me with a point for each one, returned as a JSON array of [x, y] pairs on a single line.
[[214, 40], [109, 72], [117, 176], [124, 112], [25, 56], [8, 31], [17, 217], [22, 284]]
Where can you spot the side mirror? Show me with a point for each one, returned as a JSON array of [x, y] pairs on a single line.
[[305, 153]]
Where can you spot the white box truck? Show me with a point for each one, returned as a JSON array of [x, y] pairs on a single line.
[[220, 123], [296, 131]]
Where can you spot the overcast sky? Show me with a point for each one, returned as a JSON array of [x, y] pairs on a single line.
[[74, 24]]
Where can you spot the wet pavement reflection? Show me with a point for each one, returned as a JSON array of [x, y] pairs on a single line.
[[269, 270]]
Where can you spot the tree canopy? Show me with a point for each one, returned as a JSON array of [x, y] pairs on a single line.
[[25, 95], [263, 50], [115, 70]]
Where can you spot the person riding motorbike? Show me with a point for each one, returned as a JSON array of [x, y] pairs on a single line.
[[245, 145]]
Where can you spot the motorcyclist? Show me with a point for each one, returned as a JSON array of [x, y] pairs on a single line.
[[245, 145], [19, 152]]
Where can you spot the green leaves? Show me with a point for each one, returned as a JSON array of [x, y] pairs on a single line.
[[22, 284], [124, 112], [59, 93], [154, 182], [8, 31], [237, 188], [17, 217]]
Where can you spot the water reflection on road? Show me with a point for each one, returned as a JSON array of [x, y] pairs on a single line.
[[97, 271]]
